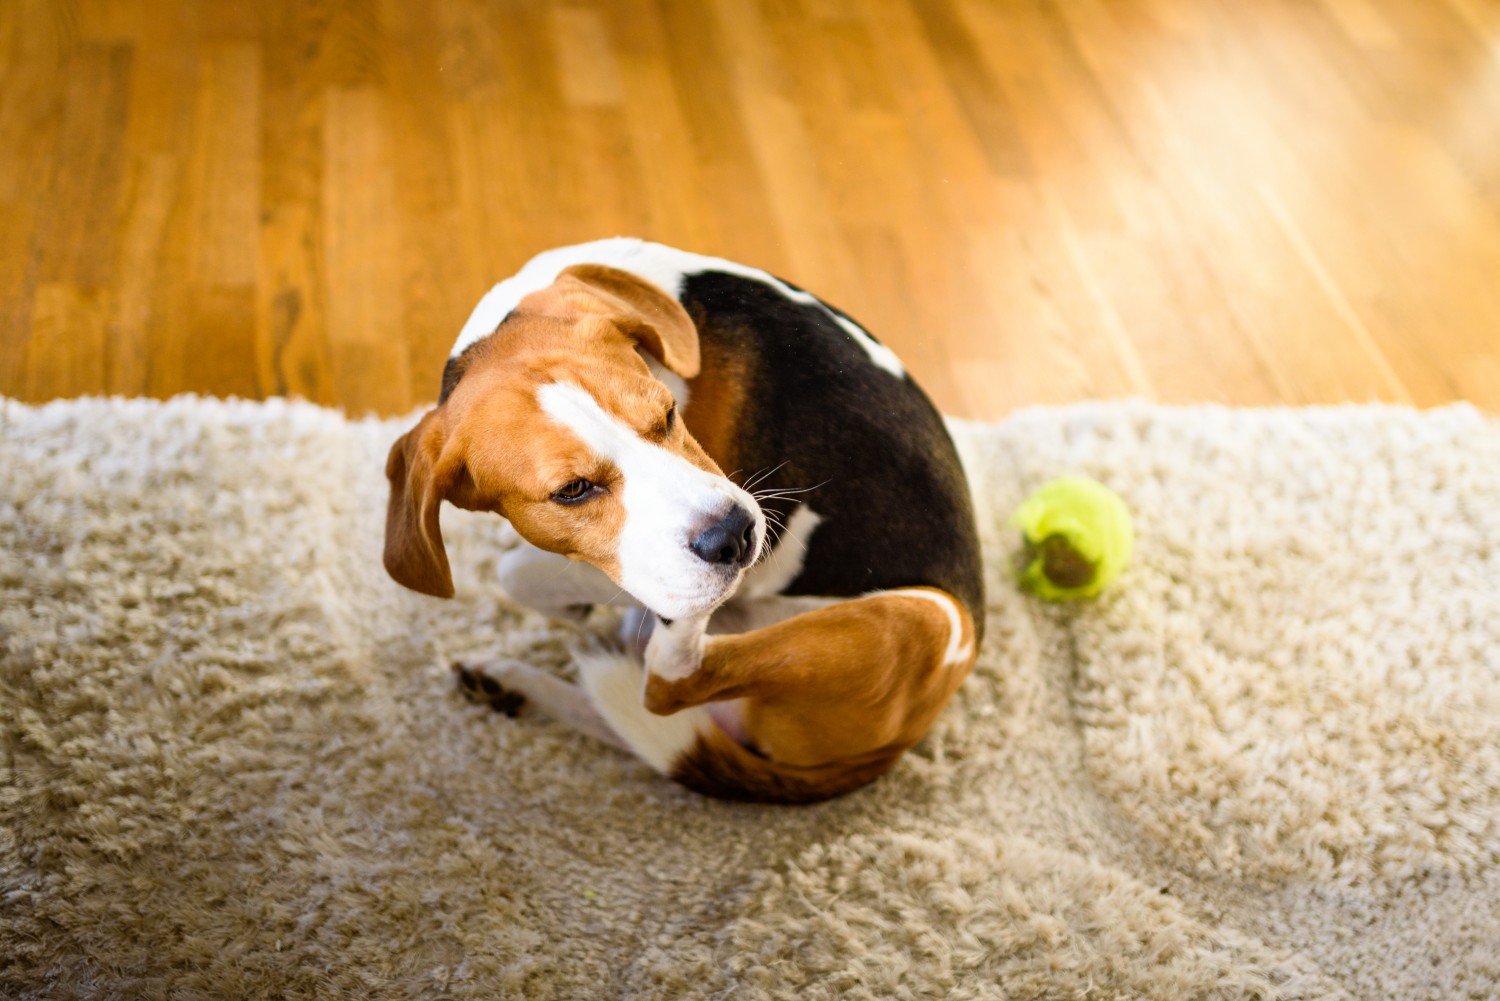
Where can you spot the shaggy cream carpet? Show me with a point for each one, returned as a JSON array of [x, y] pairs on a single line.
[[1266, 764]]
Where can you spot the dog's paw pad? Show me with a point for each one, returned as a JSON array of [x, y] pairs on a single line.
[[480, 688]]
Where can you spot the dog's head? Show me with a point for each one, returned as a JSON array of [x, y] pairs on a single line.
[[557, 422]]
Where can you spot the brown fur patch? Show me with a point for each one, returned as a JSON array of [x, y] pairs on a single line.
[[718, 398], [420, 480]]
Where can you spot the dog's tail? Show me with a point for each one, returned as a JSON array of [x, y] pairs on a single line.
[[689, 747]]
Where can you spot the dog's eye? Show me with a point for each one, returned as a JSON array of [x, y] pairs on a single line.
[[573, 492], [663, 428]]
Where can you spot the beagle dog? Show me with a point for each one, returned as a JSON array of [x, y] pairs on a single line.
[[806, 623]]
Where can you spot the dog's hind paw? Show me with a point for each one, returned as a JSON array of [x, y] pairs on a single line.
[[478, 686]]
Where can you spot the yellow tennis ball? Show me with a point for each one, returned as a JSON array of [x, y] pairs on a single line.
[[1078, 538]]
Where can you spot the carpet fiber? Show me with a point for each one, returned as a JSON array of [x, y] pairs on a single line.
[[1265, 764]]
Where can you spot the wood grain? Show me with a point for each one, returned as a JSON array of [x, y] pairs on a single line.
[[1291, 201]]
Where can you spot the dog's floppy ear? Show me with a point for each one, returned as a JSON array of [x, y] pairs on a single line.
[[423, 473], [645, 312]]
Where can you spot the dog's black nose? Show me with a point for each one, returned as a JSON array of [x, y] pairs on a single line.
[[730, 540]]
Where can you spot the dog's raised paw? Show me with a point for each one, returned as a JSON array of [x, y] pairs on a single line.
[[477, 686]]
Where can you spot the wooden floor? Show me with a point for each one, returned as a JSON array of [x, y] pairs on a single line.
[[1278, 201]]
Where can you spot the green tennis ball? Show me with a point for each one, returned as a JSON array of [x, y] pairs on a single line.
[[1078, 538]]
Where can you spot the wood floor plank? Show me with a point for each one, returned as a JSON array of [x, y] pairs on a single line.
[[292, 350], [982, 101], [77, 237], [674, 188], [223, 174], [210, 248], [587, 70], [146, 208], [368, 353], [69, 323], [784, 154], [36, 40], [71, 258], [439, 283]]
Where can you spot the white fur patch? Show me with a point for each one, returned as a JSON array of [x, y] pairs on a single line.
[[666, 500], [958, 650], [613, 684], [676, 384], [664, 266], [676, 651]]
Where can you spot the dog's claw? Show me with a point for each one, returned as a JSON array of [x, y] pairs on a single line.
[[481, 688]]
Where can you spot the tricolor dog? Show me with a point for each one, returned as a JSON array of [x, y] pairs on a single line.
[[806, 623]]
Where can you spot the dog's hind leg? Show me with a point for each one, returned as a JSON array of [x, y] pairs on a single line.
[[509, 686]]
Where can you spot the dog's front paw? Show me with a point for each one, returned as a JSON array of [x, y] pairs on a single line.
[[477, 686]]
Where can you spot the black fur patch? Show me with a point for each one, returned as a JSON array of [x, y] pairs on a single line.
[[453, 370], [481, 688], [886, 477]]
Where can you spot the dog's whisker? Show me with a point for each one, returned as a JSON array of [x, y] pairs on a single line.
[[761, 476], [777, 529], [753, 479], [777, 534], [774, 529], [777, 492]]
